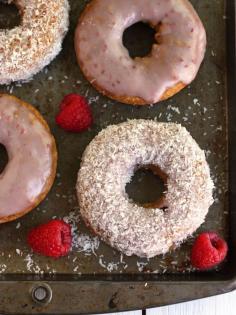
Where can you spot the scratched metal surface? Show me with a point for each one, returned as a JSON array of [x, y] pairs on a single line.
[[201, 108]]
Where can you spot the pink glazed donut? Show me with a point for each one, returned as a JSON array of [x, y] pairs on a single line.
[[32, 158], [172, 64]]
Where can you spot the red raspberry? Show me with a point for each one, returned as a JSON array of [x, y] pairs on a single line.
[[51, 239], [69, 98], [208, 251], [75, 114]]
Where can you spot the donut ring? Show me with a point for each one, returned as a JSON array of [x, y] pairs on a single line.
[[172, 64], [107, 166], [32, 154], [27, 49]]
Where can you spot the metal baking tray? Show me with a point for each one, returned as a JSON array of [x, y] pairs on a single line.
[[94, 277]]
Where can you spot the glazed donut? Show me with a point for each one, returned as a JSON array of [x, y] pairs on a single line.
[[32, 158], [109, 163], [172, 64], [28, 48]]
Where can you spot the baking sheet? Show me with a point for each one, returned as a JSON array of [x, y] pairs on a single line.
[[201, 108]]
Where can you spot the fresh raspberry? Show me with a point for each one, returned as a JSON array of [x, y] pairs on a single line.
[[69, 98], [51, 239], [75, 114], [208, 251]]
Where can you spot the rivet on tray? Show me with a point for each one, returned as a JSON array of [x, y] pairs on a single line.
[[42, 294]]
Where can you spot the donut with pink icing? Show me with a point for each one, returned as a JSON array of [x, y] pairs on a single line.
[[32, 158], [172, 64]]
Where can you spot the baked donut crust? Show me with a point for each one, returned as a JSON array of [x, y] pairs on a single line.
[[130, 100], [172, 88], [53, 152]]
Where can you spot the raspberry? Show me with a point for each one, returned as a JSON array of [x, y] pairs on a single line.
[[75, 114], [51, 239], [69, 98], [208, 251]]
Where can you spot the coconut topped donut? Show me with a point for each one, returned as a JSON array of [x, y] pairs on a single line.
[[109, 163], [28, 48], [32, 158], [172, 64]]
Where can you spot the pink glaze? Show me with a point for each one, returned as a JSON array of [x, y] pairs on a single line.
[[29, 146], [104, 59]]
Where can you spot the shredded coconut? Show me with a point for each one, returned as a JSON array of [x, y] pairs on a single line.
[[81, 242], [26, 49], [3, 268], [141, 265], [31, 264], [107, 166]]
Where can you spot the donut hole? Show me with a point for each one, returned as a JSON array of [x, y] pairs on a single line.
[[147, 188], [10, 16], [139, 39], [3, 157]]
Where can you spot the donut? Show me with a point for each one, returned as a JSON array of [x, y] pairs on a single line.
[[172, 64], [29, 47], [32, 158], [109, 163]]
